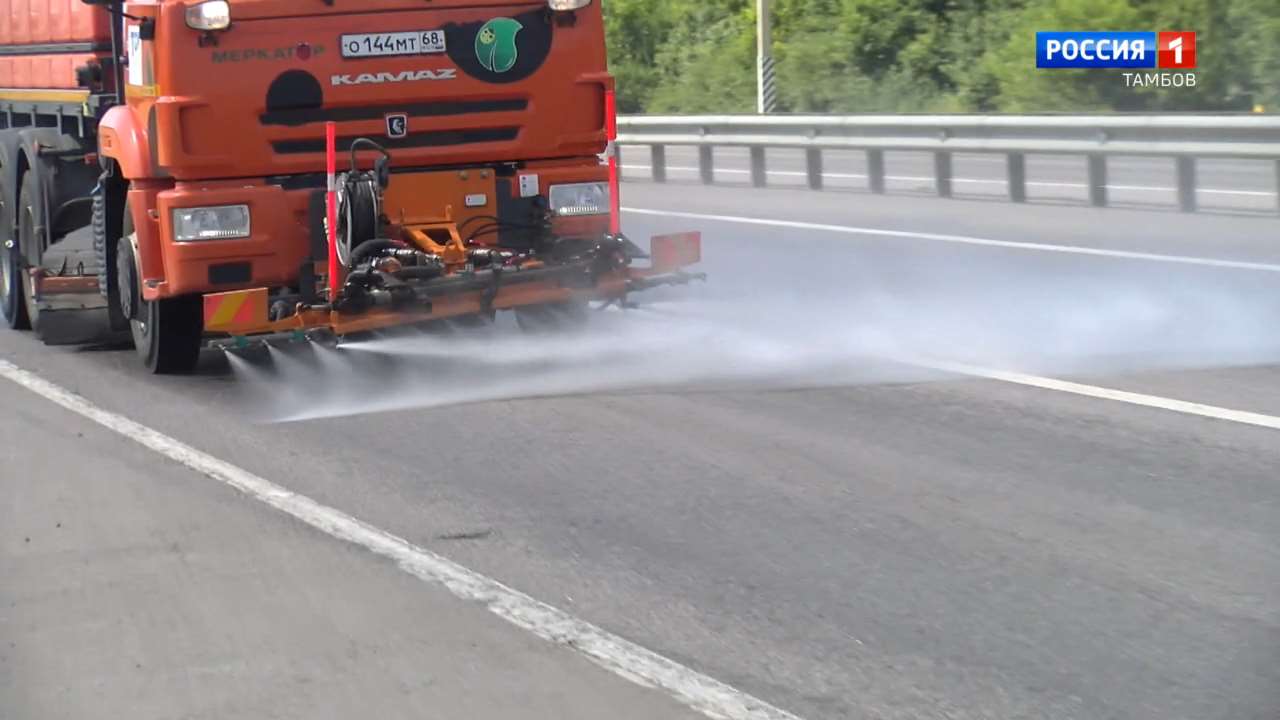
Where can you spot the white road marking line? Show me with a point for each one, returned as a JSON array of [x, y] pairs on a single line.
[[965, 240], [978, 181], [1124, 396], [621, 657]]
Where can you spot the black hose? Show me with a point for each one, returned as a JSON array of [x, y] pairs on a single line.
[[355, 145], [362, 278], [369, 248], [489, 230], [475, 218], [494, 219], [419, 273], [494, 228], [360, 214]]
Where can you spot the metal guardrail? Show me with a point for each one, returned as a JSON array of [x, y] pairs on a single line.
[[1185, 138]]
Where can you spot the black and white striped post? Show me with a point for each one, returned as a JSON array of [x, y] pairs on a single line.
[[766, 86], [766, 83]]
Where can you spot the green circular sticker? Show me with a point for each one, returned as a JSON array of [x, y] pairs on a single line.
[[496, 44]]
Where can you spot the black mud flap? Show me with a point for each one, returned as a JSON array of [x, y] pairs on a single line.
[[72, 308], [78, 327]]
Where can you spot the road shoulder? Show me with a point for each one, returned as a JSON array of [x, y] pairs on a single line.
[[136, 588]]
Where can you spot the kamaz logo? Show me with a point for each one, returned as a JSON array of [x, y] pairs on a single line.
[[388, 77]]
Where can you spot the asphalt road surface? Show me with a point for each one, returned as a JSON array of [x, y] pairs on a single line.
[[898, 458]]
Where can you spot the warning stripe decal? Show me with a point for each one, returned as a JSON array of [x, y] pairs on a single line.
[[246, 313], [227, 309], [226, 312]]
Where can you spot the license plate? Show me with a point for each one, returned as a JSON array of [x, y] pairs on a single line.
[[415, 42]]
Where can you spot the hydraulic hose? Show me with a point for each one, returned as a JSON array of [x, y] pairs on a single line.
[[419, 273], [370, 248]]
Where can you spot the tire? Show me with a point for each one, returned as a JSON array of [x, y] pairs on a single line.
[[167, 334], [553, 317], [25, 222], [13, 306]]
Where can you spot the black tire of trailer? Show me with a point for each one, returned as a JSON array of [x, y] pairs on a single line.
[[26, 220], [12, 305], [167, 334]]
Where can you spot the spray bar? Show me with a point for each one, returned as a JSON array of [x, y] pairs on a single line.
[[243, 313]]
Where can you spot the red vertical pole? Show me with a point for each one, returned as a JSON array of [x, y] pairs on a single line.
[[615, 186], [331, 203]]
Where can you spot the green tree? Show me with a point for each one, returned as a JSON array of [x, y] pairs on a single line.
[[1256, 37], [817, 71], [1223, 76], [709, 61], [681, 56], [636, 30], [1023, 88]]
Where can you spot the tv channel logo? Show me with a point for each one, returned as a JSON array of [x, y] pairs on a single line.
[[1116, 49], [1177, 50]]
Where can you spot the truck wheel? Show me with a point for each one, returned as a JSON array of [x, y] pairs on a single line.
[[166, 333], [25, 221], [12, 304]]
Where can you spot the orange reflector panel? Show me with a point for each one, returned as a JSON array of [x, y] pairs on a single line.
[[238, 310], [672, 252]]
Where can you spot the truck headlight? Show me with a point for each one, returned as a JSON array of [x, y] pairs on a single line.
[[210, 15], [224, 222], [568, 4], [580, 199]]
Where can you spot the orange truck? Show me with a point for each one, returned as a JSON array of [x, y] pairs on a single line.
[[196, 172]]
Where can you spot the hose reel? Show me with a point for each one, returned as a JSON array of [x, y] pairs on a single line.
[[360, 201]]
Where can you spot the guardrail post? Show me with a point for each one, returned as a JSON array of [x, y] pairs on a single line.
[[1017, 163], [1186, 183], [942, 173], [706, 168], [658, 163], [875, 171], [813, 167], [759, 173], [1098, 180]]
